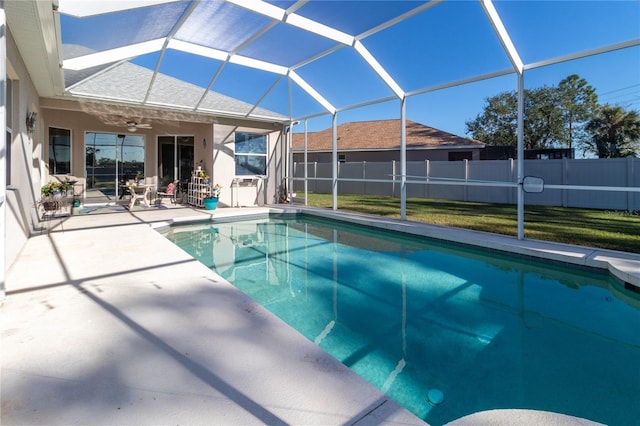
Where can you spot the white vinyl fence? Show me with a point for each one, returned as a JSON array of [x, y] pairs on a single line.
[[446, 180]]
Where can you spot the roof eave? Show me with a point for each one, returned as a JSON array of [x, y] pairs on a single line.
[[35, 27], [75, 102]]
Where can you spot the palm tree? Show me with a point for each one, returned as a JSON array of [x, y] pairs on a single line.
[[614, 132]]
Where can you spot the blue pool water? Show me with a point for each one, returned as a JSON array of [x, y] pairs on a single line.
[[422, 319]]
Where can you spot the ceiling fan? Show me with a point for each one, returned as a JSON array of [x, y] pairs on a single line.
[[132, 126]]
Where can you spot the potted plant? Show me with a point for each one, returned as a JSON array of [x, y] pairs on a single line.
[[50, 188], [201, 174], [211, 201], [50, 191], [66, 186]]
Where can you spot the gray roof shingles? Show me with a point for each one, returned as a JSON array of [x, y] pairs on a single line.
[[129, 82]]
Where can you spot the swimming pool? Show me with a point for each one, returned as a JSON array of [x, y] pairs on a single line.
[[444, 330]]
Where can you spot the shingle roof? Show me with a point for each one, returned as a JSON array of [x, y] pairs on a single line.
[[129, 82], [381, 135]]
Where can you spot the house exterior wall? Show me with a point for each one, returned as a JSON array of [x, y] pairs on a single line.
[[213, 145], [23, 188], [80, 123], [30, 153], [242, 191]]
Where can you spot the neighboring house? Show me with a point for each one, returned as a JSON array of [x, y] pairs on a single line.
[[379, 140]]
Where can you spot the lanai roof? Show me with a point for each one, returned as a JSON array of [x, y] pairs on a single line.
[[303, 58]]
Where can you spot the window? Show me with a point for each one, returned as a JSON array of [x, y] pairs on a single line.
[[59, 151], [251, 154], [342, 158]]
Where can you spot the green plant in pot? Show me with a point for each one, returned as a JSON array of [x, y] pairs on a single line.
[[211, 201], [66, 186], [50, 189]]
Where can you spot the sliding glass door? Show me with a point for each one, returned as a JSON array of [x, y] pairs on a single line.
[[111, 159], [175, 159]]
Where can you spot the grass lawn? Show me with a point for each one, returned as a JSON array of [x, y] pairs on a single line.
[[616, 230]]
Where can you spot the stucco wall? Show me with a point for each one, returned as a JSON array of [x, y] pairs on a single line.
[[242, 191], [79, 123], [213, 144], [26, 153], [29, 152]]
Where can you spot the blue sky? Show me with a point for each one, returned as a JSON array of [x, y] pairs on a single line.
[[540, 30], [447, 43]]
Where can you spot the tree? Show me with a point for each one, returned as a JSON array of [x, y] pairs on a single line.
[[579, 102], [543, 122], [614, 132], [553, 115], [90, 156], [498, 123]]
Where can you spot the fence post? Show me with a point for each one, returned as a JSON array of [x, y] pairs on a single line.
[[630, 204], [465, 195], [339, 166], [306, 183], [426, 169], [512, 177], [295, 170], [364, 177], [315, 175], [393, 178], [565, 179]]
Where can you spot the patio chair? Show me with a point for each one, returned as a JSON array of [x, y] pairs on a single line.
[[170, 192]]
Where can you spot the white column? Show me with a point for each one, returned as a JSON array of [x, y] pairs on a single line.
[[290, 165], [306, 166], [403, 158], [520, 155], [334, 160]]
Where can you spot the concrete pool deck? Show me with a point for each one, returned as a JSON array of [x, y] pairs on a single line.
[[107, 322]]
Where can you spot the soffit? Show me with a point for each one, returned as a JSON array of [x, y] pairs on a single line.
[[32, 25]]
